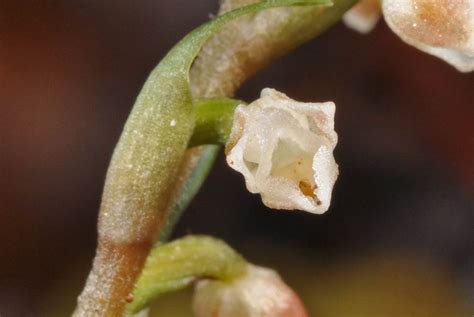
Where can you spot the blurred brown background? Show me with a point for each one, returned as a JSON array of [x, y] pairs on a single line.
[[398, 241]]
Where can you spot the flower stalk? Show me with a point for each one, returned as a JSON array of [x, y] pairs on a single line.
[[144, 168], [232, 56], [214, 118]]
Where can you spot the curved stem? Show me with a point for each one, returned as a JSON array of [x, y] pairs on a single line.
[[143, 171]]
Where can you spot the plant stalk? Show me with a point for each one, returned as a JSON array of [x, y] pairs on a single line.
[[139, 184]]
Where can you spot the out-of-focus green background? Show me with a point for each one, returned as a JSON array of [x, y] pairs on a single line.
[[397, 242]]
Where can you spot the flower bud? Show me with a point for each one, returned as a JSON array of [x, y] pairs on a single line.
[[443, 28], [284, 149], [260, 292], [363, 16]]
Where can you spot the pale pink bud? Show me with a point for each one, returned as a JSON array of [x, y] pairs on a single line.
[[259, 292], [284, 149]]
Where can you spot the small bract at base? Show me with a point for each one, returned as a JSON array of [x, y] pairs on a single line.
[[284, 149]]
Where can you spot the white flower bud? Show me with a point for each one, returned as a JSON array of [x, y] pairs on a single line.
[[284, 150], [363, 16], [443, 28], [260, 292]]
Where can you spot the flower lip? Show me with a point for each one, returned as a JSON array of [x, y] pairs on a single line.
[[284, 150]]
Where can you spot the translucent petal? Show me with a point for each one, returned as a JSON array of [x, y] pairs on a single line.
[[279, 144]]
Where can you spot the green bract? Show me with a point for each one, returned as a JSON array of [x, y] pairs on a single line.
[[175, 265]]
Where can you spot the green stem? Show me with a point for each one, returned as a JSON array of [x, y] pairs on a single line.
[[214, 119], [176, 265]]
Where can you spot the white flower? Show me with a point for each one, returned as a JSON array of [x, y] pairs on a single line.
[[284, 150], [443, 28], [363, 16], [260, 292]]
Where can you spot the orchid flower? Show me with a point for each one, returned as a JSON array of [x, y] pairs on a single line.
[[284, 149]]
